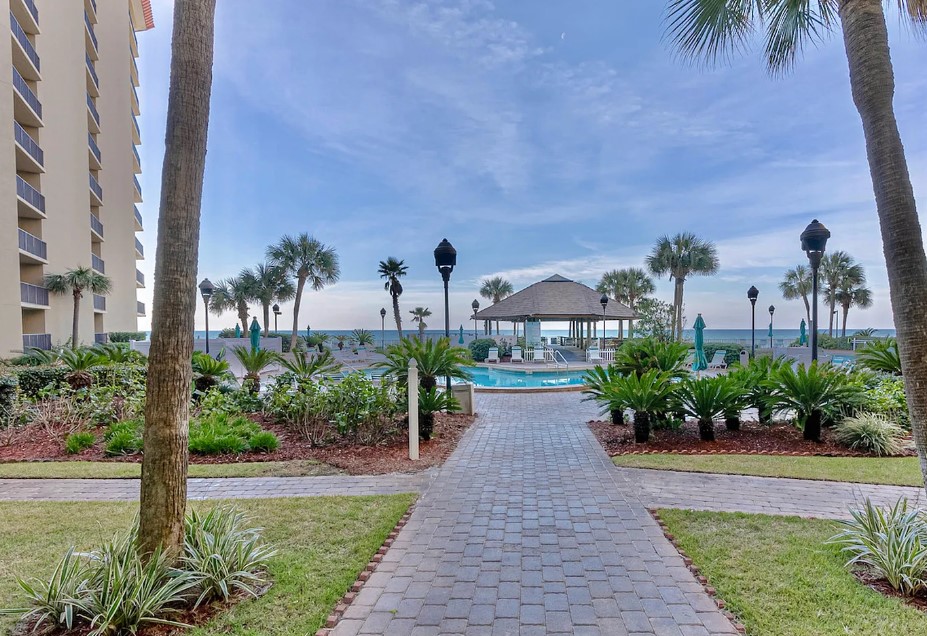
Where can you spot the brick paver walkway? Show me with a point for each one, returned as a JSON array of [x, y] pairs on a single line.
[[529, 529]]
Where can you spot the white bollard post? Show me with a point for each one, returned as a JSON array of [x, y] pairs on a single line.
[[413, 409]]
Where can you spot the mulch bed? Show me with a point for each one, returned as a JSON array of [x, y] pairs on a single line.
[[870, 580], [35, 443], [752, 438]]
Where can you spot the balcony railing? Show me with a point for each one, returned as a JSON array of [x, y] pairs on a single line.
[[96, 188], [99, 302], [94, 148], [96, 225], [30, 4], [29, 194], [23, 40], [139, 278], [28, 143], [93, 71], [32, 245], [139, 247], [33, 294], [93, 109], [138, 186], [101, 338], [93, 3], [93, 36], [36, 341], [138, 216], [97, 263], [139, 308], [138, 158], [23, 88], [138, 131]]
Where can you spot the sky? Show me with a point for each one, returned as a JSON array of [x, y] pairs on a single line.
[[540, 138]]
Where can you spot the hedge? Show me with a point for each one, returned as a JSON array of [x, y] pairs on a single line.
[[126, 336], [33, 379]]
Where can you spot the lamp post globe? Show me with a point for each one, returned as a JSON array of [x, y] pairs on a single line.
[[813, 243], [604, 302], [445, 260], [475, 305], [753, 293], [206, 291], [383, 327]]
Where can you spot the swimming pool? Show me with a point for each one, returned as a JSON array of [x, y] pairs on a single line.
[[528, 379]]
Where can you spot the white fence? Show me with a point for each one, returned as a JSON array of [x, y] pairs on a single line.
[[215, 345]]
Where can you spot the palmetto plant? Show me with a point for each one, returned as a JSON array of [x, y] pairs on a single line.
[[646, 395], [305, 367], [392, 269], [79, 362], [706, 399], [208, 372], [598, 381], [680, 257], [813, 392], [435, 358], [431, 401], [269, 284], [640, 356], [75, 282], [363, 337], [626, 286], [117, 353], [254, 361], [797, 284], [418, 315], [881, 355], [234, 294], [496, 289], [753, 381]]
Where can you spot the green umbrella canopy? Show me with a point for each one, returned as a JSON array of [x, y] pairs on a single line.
[[802, 335], [255, 330], [460, 340], [769, 334], [237, 330], [701, 362]]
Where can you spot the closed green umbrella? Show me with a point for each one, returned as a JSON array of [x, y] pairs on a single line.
[[237, 330], [255, 330], [460, 340], [701, 362], [802, 336]]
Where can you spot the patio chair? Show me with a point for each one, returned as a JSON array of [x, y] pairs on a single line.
[[593, 355], [717, 361], [843, 362], [537, 355], [493, 355], [517, 355]]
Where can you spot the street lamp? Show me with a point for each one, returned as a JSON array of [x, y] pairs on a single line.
[[476, 307], [277, 313], [772, 310], [753, 293], [383, 328], [206, 290], [445, 260], [604, 302], [813, 242]]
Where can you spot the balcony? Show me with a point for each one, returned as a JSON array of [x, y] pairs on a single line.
[[96, 226], [139, 250], [32, 249], [136, 106], [136, 132], [36, 341], [93, 82], [97, 264], [27, 14], [96, 192], [29, 155], [25, 57], [93, 116], [93, 47], [140, 308], [99, 303], [100, 338], [27, 108], [96, 158], [139, 280], [133, 70], [33, 296], [30, 202], [90, 7], [133, 42], [137, 164], [139, 227], [138, 189]]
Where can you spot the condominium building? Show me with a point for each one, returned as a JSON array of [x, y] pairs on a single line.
[[69, 167]]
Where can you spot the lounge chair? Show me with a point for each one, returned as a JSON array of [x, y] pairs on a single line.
[[690, 358], [493, 355], [517, 355], [537, 355], [593, 355], [843, 362], [717, 361]]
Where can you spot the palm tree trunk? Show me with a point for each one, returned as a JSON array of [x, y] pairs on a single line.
[[830, 328], [75, 320], [846, 309], [641, 427], [300, 284], [680, 283], [266, 307], [866, 40], [807, 308], [396, 315], [706, 430], [243, 317], [164, 467], [421, 332]]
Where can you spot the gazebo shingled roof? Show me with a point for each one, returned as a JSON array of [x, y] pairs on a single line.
[[556, 298]]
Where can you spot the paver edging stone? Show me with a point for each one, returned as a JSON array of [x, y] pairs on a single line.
[[345, 601], [701, 578], [690, 451]]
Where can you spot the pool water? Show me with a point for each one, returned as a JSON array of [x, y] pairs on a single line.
[[528, 379]]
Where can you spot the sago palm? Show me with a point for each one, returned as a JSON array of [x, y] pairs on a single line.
[[680, 257], [79, 362], [839, 271], [418, 315], [75, 282], [233, 294], [627, 286], [597, 382], [646, 395], [881, 356], [392, 269], [640, 356], [363, 337], [208, 372], [270, 284], [435, 358], [707, 399], [495, 289], [305, 367], [254, 361], [814, 392], [797, 284], [752, 379]]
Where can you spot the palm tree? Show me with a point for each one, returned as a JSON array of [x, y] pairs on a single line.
[[797, 284], [712, 30], [849, 296], [234, 294], [418, 315], [495, 289], [269, 284], [75, 282], [392, 269], [308, 260], [167, 409], [626, 286], [682, 256], [839, 270]]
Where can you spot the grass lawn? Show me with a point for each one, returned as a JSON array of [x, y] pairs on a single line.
[[897, 471], [123, 470], [778, 577], [323, 543]]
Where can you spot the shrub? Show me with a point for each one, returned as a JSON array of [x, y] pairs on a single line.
[[732, 349], [57, 601], [361, 410], [431, 401], [887, 397], [646, 395], [435, 358], [814, 392], [753, 380], [363, 337], [881, 355], [305, 410], [254, 361], [230, 401], [597, 381], [706, 399], [124, 438], [304, 366], [34, 380], [119, 353], [8, 386], [126, 336], [640, 356], [208, 371], [77, 442], [125, 376], [263, 442], [220, 434], [871, 433], [479, 348]]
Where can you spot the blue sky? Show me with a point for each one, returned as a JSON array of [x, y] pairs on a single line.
[[539, 138]]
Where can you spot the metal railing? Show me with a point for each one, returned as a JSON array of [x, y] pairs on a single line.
[[32, 244], [33, 294], [96, 225], [138, 216], [93, 3], [93, 109], [139, 278], [23, 89], [29, 144], [101, 338], [23, 40], [96, 187], [97, 263], [30, 5], [93, 36], [29, 194], [139, 308], [99, 302], [138, 186], [36, 341], [138, 157], [93, 71], [139, 247], [138, 131], [94, 148]]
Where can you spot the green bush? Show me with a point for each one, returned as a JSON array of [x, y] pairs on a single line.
[[479, 348], [126, 336], [871, 433], [231, 401], [221, 433], [124, 438], [77, 442], [733, 351], [35, 380], [8, 386], [881, 355], [263, 442], [887, 397]]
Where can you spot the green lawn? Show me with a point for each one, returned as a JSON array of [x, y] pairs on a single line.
[[898, 471], [122, 470], [323, 543], [778, 577]]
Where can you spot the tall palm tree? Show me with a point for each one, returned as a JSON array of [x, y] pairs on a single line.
[[627, 286], [392, 269], [234, 294], [495, 289], [269, 284], [170, 375], [839, 270], [712, 30], [418, 315], [308, 260], [797, 284], [75, 282], [853, 296], [682, 256]]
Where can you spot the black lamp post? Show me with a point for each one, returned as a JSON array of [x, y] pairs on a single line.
[[772, 310], [753, 293], [476, 307], [604, 302], [277, 313], [206, 290], [445, 260], [813, 242], [383, 328]]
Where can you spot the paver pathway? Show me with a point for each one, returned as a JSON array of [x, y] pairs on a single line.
[[529, 529]]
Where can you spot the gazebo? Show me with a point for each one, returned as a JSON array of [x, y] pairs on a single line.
[[562, 300]]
